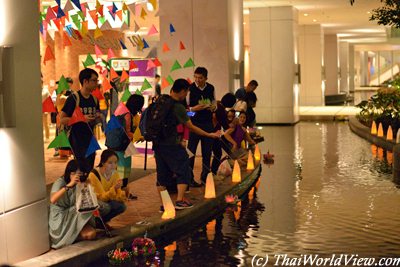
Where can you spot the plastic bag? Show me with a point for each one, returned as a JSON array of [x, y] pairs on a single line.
[[224, 168], [86, 200]]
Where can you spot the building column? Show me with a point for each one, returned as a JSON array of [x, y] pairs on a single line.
[[273, 59], [344, 66], [351, 69], [331, 64], [23, 197], [212, 33], [311, 52]]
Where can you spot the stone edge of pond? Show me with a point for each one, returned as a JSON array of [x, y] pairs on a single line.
[[365, 132], [84, 252]]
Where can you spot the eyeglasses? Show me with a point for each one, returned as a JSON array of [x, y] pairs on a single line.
[[94, 80]]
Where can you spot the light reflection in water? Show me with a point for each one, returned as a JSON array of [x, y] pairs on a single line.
[[328, 191]]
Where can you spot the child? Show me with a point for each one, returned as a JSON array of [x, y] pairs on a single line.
[[238, 133]]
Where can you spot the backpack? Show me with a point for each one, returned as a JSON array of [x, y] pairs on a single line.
[[158, 120], [117, 139]]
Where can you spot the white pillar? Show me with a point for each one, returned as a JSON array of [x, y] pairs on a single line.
[[351, 68], [273, 59], [344, 66], [311, 52], [23, 197], [212, 32], [331, 64]]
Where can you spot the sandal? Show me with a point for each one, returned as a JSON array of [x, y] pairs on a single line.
[[132, 196]]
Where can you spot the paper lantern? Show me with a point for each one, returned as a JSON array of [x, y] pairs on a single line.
[[380, 130], [169, 208], [389, 135], [210, 227], [373, 128], [236, 175], [210, 188], [250, 162], [389, 157], [257, 153]]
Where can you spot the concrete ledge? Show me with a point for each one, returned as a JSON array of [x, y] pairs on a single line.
[[84, 252], [365, 132]]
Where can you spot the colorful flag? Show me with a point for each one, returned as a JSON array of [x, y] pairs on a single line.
[[61, 140], [122, 109], [93, 146], [48, 105], [76, 117], [176, 66], [62, 85], [146, 85]]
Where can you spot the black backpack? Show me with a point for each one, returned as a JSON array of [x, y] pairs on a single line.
[[117, 139], [158, 120]]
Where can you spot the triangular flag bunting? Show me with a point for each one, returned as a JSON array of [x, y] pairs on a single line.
[[97, 94], [48, 105], [189, 63], [146, 85], [106, 85], [136, 27], [176, 66], [157, 63], [77, 4], [181, 46], [97, 50], [119, 14], [110, 54], [122, 44], [94, 16], [66, 40], [97, 33], [131, 149], [125, 96], [61, 140], [50, 14], [132, 65], [57, 22], [138, 8], [164, 83], [153, 3], [102, 20], [143, 13], [165, 48], [68, 6], [189, 80], [121, 109], [145, 44], [62, 85], [114, 8], [93, 146], [170, 80], [89, 61], [171, 28], [60, 13], [112, 124], [113, 74], [82, 15], [150, 65], [48, 55], [85, 27], [124, 76], [124, 7], [106, 26], [77, 116], [152, 30]]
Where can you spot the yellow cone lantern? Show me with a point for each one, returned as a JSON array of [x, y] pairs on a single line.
[[380, 130], [236, 175], [389, 135], [169, 208], [257, 153], [250, 161], [210, 187], [373, 128]]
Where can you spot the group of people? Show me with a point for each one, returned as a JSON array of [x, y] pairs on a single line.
[[207, 118]]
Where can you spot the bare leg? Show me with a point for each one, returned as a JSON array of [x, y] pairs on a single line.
[[87, 233]]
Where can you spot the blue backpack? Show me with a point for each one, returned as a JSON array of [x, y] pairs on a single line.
[[158, 120], [117, 139]]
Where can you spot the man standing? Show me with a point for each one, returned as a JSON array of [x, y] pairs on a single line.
[[82, 132], [201, 98], [171, 157], [250, 87]]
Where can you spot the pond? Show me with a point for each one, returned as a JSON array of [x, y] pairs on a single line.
[[327, 192]]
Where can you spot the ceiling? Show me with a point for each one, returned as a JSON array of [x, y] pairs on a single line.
[[351, 23]]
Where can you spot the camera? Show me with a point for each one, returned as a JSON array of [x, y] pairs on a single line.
[[83, 177]]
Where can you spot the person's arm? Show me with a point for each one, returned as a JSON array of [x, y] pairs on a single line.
[[128, 125], [199, 131], [248, 137], [55, 196], [228, 136]]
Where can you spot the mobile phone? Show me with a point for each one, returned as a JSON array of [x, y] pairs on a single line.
[[237, 113], [191, 113]]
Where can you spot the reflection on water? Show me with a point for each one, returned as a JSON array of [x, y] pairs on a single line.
[[328, 191]]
